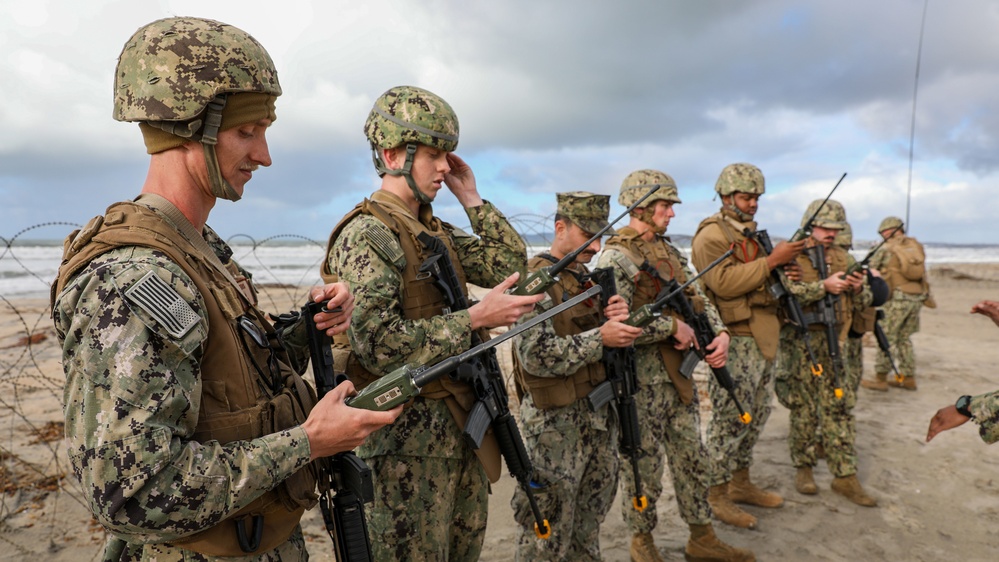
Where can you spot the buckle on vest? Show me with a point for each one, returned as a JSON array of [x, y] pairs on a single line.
[[250, 544]]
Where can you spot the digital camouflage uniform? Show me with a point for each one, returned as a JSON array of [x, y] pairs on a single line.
[[985, 411], [571, 447], [901, 261], [182, 408], [669, 416], [431, 493], [863, 321]]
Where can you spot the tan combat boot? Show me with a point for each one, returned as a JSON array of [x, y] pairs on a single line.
[[804, 483], [849, 487], [643, 549], [704, 546], [726, 511], [880, 383], [742, 490]]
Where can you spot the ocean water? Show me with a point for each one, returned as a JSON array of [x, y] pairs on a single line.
[[27, 269]]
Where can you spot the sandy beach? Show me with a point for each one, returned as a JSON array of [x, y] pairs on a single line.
[[937, 501]]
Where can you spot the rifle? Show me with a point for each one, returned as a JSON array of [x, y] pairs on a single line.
[[343, 473], [879, 334], [806, 229], [826, 315], [788, 302], [479, 368], [541, 280], [649, 312], [621, 386]]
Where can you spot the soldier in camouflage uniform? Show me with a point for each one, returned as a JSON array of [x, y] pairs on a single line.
[[431, 492], [668, 410], [557, 365], [815, 409], [739, 289], [185, 419], [902, 262]]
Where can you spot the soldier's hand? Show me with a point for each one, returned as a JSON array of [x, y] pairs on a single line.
[[684, 336], [784, 252], [987, 308], [461, 181], [613, 333], [835, 283], [341, 306], [616, 309], [793, 271], [334, 427], [856, 280], [944, 419], [718, 349], [500, 309]]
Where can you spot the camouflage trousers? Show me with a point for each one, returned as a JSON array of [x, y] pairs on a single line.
[[428, 509], [670, 429], [853, 360], [575, 469], [120, 551], [731, 442], [900, 322], [816, 413]]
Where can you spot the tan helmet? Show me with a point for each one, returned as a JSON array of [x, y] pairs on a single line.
[[407, 115], [832, 215], [639, 182], [175, 75], [742, 178], [891, 223], [844, 238]]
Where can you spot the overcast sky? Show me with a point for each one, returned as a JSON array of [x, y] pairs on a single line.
[[552, 96]]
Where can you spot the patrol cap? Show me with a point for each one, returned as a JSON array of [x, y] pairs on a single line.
[[890, 223], [742, 178], [638, 183], [588, 211], [831, 216]]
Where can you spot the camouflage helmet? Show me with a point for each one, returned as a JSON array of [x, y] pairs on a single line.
[[743, 178], [832, 215], [407, 114], [638, 183], [890, 223], [844, 238], [171, 69]]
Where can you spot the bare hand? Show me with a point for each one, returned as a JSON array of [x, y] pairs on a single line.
[[616, 309], [793, 271], [987, 308], [856, 281], [340, 298], [835, 283], [334, 427], [684, 336], [461, 181], [718, 349], [785, 252], [944, 419], [615, 334], [500, 309]]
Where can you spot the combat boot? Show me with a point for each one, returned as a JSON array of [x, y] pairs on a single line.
[[804, 483], [849, 487], [880, 383], [705, 546], [908, 383], [742, 490], [726, 511], [643, 549]]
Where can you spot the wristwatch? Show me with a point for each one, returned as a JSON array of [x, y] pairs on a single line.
[[962, 405]]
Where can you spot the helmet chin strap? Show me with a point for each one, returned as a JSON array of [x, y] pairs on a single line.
[[209, 138], [742, 216], [405, 171], [646, 217]]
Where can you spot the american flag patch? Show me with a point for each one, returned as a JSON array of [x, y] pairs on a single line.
[[164, 304]]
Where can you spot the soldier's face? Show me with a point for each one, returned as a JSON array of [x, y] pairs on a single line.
[[572, 237], [748, 203], [662, 212], [429, 166], [823, 235], [241, 150]]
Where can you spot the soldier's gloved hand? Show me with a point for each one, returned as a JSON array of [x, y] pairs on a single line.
[[498, 308]]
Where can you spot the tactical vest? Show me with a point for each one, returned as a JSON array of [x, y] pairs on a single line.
[[557, 392], [233, 406], [906, 269], [836, 260], [752, 314], [665, 265], [421, 299]]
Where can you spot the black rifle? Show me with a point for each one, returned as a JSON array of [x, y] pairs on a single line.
[[806, 229], [649, 312], [879, 334], [826, 315], [788, 302], [621, 386], [542, 279], [482, 373], [346, 475]]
